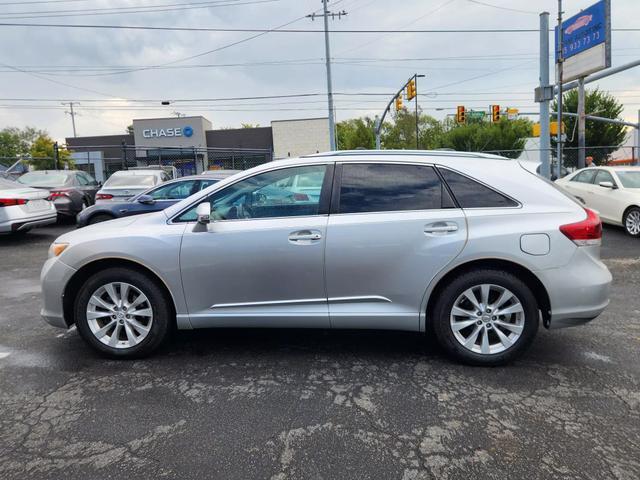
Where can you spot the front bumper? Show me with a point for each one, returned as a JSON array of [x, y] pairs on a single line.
[[54, 277], [579, 291]]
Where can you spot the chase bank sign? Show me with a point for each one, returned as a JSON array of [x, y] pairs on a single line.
[[168, 132]]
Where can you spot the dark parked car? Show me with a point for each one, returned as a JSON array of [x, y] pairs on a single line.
[[152, 200], [71, 191]]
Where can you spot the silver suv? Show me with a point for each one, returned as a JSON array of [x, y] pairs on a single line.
[[471, 248]]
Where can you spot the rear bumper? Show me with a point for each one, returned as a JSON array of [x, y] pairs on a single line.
[[579, 291], [25, 223], [64, 206], [54, 277]]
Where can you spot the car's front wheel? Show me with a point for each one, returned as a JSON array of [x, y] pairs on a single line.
[[122, 313], [631, 221], [485, 317]]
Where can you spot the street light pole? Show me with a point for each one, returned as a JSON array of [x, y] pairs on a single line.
[[560, 62]]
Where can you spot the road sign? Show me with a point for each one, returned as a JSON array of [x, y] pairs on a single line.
[[475, 114], [586, 41], [512, 113]]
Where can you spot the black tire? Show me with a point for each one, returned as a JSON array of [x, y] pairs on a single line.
[[636, 212], [100, 217], [162, 312], [445, 302]]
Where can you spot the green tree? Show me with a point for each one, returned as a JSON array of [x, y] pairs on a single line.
[[401, 134], [15, 142], [130, 129], [597, 134], [356, 133], [249, 125], [43, 154], [507, 137]]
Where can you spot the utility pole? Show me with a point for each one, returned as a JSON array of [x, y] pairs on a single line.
[[544, 93], [326, 14], [73, 115], [581, 125], [560, 60]]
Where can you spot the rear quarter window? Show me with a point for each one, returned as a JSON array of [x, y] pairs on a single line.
[[472, 194]]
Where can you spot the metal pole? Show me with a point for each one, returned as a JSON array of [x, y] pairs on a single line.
[[559, 75], [332, 128], [545, 140], [73, 119], [415, 77], [581, 125], [377, 131]]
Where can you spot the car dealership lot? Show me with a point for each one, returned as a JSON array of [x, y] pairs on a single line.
[[300, 404]]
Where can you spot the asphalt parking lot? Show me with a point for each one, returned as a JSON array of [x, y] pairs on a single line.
[[316, 404]]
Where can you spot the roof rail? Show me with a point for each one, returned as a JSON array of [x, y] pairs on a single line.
[[417, 153]]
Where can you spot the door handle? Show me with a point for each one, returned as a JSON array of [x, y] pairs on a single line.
[[305, 235], [441, 227]]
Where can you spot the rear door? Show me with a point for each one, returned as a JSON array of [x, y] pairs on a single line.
[[580, 185], [392, 228]]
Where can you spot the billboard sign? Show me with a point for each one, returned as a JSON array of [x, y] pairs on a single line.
[[586, 39]]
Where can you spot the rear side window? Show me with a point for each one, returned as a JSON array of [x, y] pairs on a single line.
[[472, 194], [379, 187], [584, 177]]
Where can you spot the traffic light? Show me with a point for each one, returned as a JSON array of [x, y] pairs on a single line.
[[399, 102], [411, 90], [461, 115], [495, 113]]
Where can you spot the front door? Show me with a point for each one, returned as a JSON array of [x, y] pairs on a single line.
[[392, 228], [260, 262], [606, 201]]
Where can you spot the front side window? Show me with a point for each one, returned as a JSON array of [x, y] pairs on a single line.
[[380, 187], [174, 191], [584, 177], [267, 195], [472, 194]]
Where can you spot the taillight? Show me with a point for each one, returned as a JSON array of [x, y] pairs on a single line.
[[586, 232], [104, 196], [57, 194], [10, 202]]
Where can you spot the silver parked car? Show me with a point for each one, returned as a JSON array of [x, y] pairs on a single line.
[[23, 208], [472, 248]]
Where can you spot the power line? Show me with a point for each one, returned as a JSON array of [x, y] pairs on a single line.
[[530, 12]]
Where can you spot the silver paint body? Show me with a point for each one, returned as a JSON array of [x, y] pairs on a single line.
[[365, 270], [38, 210]]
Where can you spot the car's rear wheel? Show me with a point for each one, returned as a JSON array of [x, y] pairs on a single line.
[[99, 218], [485, 317], [122, 313], [631, 221]]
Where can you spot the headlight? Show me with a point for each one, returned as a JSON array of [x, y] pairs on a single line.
[[57, 248]]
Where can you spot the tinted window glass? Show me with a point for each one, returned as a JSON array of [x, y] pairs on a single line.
[[174, 191], [584, 177], [378, 187], [603, 176], [208, 182], [268, 195], [472, 194]]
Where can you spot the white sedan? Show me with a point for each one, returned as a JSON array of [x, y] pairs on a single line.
[[614, 192], [23, 208]]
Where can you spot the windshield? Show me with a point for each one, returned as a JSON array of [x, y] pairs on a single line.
[[629, 178], [44, 179], [131, 181], [8, 184]]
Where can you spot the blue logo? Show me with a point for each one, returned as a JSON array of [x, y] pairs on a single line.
[[187, 131]]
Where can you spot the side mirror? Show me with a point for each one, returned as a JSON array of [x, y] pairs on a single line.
[[204, 213], [607, 185], [146, 200]]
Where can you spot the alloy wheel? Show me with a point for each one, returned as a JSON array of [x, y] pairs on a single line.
[[119, 315], [632, 223], [487, 319]]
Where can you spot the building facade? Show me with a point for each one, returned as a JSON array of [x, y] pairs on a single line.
[[191, 145]]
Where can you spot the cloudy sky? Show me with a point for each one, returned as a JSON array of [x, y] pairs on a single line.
[[120, 74]]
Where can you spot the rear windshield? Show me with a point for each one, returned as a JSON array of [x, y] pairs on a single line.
[[131, 181], [44, 179], [629, 178]]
